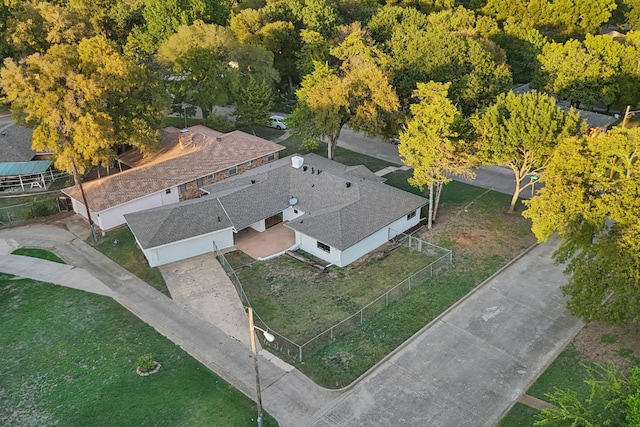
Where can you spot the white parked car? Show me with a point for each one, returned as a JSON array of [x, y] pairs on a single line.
[[277, 122]]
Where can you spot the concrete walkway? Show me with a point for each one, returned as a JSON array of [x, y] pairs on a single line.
[[465, 368]]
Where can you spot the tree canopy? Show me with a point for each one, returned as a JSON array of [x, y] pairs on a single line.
[[429, 143], [84, 100], [613, 400], [590, 200], [357, 93], [521, 132]]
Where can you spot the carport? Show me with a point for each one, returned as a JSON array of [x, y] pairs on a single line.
[[25, 175]]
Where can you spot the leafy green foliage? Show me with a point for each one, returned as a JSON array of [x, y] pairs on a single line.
[[521, 132], [613, 399], [164, 17], [146, 363], [429, 143], [358, 94], [440, 55], [84, 101], [36, 26], [253, 103], [590, 200]]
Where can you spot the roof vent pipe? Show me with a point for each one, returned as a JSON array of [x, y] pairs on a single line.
[[348, 184]]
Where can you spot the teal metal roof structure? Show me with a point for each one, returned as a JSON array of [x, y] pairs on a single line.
[[24, 168]]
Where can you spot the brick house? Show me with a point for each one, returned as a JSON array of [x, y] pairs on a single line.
[[187, 161]]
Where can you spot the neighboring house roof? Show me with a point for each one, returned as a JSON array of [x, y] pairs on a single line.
[[342, 204], [593, 119], [24, 168], [203, 151], [15, 144], [179, 221]]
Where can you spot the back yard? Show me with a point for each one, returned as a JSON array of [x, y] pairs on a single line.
[[472, 222]]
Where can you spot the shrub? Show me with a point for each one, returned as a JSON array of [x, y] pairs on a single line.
[[146, 363]]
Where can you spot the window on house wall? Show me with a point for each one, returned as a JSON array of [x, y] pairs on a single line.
[[200, 183], [271, 157], [183, 188], [167, 191], [233, 170], [411, 215], [248, 163], [324, 247], [210, 176]]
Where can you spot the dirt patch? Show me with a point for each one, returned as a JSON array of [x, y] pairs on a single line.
[[474, 236], [603, 343]]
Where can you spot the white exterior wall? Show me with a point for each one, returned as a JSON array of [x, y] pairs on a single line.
[[309, 244], [259, 226], [113, 217], [363, 247], [188, 248], [289, 214]]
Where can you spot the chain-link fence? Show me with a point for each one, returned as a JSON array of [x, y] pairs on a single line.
[[420, 277], [14, 214]]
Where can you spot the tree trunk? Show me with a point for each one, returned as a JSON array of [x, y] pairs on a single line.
[[516, 193], [437, 199], [430, 217]]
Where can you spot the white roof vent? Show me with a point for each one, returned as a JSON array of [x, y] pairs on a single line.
[[293, 201], [297, 161]]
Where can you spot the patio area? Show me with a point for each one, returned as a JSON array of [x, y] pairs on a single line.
[[261, 245]]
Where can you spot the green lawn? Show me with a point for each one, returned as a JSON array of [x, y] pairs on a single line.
[[300, 301], [69, 359], [38, 253], [566, 372], [121, 247]]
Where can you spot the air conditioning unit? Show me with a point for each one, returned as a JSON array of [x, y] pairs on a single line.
[[297, 161]]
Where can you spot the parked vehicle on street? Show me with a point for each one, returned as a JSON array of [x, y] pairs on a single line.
[[277, 122]]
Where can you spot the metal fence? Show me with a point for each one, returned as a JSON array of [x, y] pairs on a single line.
[[417, 279], [14, 214]]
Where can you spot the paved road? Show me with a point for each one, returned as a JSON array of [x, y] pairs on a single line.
[[497, 178]]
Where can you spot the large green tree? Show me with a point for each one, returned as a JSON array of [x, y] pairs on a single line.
[[476, 75], [430, 145], [521, 132], [253, 103], [162, 18], [207, 64], [613, 400], [357, 94], [35, 26], [577, 73], [84, 101], [591, 200]]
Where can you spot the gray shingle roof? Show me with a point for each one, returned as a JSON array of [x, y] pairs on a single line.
[[335, 214], [210, 152], [179, 221], [15, 144]]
